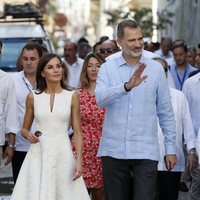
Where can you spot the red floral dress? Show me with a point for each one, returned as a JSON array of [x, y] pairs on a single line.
[[91, 120]]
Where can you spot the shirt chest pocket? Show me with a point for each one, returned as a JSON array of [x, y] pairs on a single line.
[[146, 92]]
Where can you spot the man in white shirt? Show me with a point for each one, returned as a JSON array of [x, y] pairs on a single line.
[[168, 182], [73, 64], [25, 82], [191, 89], [8, 116], [165, 48]]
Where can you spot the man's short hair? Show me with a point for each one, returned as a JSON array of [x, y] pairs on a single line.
[[32, 46], [126, 23], [166, 38], [199, 46], [179, 43], [83, 45]]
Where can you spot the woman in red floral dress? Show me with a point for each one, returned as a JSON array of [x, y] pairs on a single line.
[[92, 120]]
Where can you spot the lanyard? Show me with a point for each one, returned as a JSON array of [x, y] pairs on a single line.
[[26, 85], [179, 79]]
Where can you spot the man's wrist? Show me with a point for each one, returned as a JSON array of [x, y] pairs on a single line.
[[11, 146], [193, 151], [125, 87]]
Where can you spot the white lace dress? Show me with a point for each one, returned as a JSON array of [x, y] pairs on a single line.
[[47, 171]]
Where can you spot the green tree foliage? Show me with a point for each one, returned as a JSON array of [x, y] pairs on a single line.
[[143, 16]]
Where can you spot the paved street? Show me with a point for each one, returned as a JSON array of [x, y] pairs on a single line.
[[6, 184]]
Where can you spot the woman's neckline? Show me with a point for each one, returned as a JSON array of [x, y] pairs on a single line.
[[88, 91], [53, 93]]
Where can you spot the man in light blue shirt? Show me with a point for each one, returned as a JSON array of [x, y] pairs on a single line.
[[181, 69], [134, 91]]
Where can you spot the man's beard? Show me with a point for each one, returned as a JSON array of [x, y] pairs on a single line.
[[132, 53]]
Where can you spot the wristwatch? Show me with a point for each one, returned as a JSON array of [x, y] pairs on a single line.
[[11, 146], [127, 90], [193, 151]]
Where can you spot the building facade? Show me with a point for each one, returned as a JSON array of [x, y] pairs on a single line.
[[185, 22]]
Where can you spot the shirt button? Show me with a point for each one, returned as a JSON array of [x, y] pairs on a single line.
[[129, 118], [130, 106]]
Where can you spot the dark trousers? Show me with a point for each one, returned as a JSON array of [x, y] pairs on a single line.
[[17, 161], [168, 185], [122, 177]]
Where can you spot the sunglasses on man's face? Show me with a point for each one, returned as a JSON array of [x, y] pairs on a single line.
[[108, 50]]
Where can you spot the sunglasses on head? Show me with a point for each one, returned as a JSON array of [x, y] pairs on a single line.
[[108, 50]]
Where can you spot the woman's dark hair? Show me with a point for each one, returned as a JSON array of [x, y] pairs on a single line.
[[40, 80]]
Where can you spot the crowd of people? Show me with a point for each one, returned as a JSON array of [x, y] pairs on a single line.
[[118, 120]]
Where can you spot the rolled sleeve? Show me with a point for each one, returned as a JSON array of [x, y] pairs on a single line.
[[11, 110]]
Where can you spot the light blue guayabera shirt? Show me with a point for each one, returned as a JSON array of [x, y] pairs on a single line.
[[130, 124]]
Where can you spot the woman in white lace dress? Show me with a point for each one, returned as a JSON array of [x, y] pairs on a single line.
[[50, 171]]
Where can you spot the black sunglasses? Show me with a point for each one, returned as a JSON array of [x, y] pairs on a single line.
[[108, 50], [166, 69]]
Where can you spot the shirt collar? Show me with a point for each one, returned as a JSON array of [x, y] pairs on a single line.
[[187, 66], [23, 75], [122, 61], [78, 62], [26, 81]]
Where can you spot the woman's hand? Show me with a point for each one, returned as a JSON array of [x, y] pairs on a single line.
[[32, 138], [77, 170]]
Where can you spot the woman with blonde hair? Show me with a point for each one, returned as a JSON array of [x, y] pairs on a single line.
[[91, 124]]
